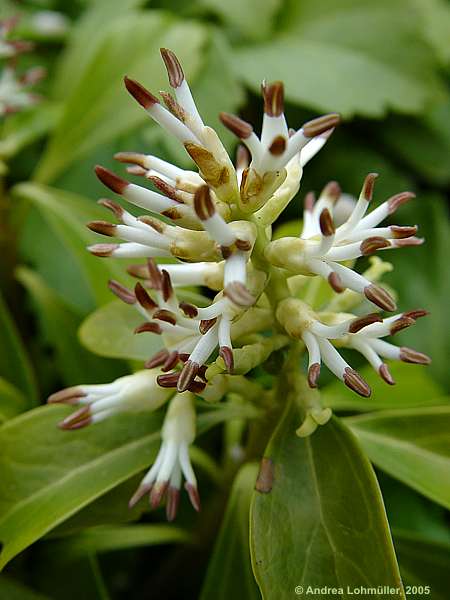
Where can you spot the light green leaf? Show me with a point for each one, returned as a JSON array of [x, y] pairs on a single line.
[[434, 19], [47, 474], [414, 388], [59, 325], [99, 109], [319, 519], [423, 563], [229, 572], [330, 57], [108, 538], [109, 331], [12, 401], [411, 445], [14, 363], [253, 18], [84, 284]]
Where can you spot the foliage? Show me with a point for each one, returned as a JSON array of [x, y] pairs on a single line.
[[321, 518]]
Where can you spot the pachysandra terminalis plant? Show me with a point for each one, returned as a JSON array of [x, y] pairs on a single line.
[[215, 227]]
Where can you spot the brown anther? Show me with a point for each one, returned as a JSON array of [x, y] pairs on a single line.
[[278, 145], [240, 128], [332, 191], [69, 395], [326, 223], [172, 502], [401, 323], [206, 324], [243, 245], [172, 105], [187, 375], [189, 309], [140, 94], [371, 244], [309, 201], [239, 294], [335, 282], [386, 375], [380, 297], [273, 94], [203, 203], [149, 327], [396, 201], [196, 387], [112, 206], [321, 124], [77, 420], [403, 232], [368, 185], [410, 241], [138, 271], [170, 362], [362, 322], [111, 180], [165, 315], [168, 380], [172, 213], [102, 227], [144, 298], [416, 314], [154, 274], [193, 495], [103, 250], [136, 170], [412, 356], [226, 251], [157, 493], [138, 494], [164, 187], [155, 224], [355, 382], [166, 285], [313, 375], [174, 69], [226, 353], [157, 359], [121, 292], [131, 157]]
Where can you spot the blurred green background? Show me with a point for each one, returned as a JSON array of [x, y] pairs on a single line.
[[383, 65]]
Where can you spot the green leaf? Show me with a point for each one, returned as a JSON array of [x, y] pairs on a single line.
[[66, 214], [12, 401], [423, 563], [25, 127], [99, 109], [108, 538], [109, 331], [229, 572], [15, 590], [14, 363], [253, 18], [411, 445], [414, 388], [319, 518], [59, 325], [330, 57], [47, 474], [434, 18]]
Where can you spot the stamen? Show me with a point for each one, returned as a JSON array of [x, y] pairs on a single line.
[[144, 298], [362, 322], [380, 297], [122, 292], [174, 69], [355, 382], [313, 375], [111, 180], [412, 356], [372, 244], [386, 375]]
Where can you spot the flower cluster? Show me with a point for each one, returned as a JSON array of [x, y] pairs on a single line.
[[15, 94], [213, 228]]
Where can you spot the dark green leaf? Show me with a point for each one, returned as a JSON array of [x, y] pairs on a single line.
[[12, 401], [229, 572], [320, 519]]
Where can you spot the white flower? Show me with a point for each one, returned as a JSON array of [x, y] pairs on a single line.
[[173, 462], [137, 392]]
